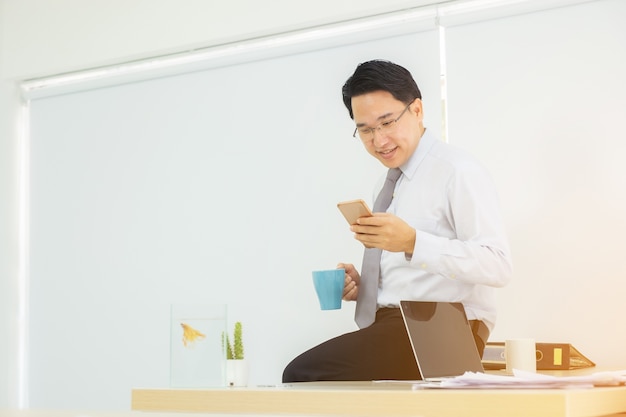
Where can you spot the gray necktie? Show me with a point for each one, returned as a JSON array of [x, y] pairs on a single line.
[[370, 271]]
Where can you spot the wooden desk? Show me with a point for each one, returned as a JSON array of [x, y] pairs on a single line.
[[384, 399]]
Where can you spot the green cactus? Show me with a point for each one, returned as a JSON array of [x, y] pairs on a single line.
[[235, 350], [227, 346], [238, 345]]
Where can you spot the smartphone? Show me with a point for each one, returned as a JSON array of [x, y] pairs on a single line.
[[354, 209]]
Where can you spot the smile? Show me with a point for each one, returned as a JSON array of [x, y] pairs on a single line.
[[387, 151]]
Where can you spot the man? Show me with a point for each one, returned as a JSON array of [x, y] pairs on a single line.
[[441, 237]]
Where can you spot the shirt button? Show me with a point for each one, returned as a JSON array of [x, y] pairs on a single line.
[[423, 266], [453, 276]]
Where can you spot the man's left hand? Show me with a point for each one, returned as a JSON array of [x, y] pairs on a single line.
[[385, 231]]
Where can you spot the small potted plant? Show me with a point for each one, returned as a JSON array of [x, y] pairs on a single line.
[[236, 364]]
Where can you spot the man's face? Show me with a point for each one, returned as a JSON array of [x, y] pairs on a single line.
[[393, 143]]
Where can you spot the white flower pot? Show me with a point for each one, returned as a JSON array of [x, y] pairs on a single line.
[[237, 372]]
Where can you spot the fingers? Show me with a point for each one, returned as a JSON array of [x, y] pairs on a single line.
[[373, 231], [350, 283], [378, 219], [350, 269], [350, 290], [385, 231], [372, 237]]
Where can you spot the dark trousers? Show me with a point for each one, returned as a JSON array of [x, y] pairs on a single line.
[[380, 351]]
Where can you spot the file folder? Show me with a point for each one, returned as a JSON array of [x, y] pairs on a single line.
[[550, 356]]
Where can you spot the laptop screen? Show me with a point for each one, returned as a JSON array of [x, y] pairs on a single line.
[[441, 338]]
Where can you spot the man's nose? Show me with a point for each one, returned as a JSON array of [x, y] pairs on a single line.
[[378, 138]]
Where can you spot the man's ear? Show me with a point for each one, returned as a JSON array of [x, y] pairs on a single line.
[[416, 108]]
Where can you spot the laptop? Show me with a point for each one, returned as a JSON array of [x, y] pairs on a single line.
[[441, 338]]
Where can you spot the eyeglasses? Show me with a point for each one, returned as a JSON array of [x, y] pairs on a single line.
[[367, 133]]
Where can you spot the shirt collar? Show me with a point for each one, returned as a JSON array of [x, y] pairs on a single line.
[[426, 142]]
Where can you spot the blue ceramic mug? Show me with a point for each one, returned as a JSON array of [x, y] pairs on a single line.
[[329, 287]]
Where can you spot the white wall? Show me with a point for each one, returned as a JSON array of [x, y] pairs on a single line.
[[44, 37], [559, 294], [204, 187], [41, 38], [8, 226], [543, 108]]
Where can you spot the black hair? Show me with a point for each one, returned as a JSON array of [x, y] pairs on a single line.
[[377, 75]]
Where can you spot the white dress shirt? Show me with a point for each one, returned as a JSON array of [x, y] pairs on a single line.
[[461, 252]]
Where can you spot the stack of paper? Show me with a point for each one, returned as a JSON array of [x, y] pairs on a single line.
[[521, 379]]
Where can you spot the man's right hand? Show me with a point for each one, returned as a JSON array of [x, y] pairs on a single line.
[[351, 282]]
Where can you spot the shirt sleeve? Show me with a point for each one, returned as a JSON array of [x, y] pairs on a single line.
[[479, 252]]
